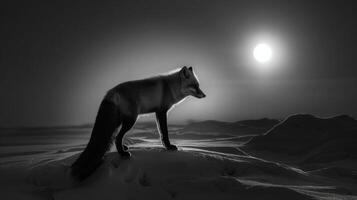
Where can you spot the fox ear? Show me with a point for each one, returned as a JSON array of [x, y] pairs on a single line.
[[185, 72], [190, 68]]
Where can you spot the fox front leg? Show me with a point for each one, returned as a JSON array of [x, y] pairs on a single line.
[[161, 119]]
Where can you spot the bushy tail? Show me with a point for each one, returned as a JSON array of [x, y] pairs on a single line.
[[106, 122]]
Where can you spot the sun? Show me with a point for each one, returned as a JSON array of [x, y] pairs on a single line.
[[262, 53]]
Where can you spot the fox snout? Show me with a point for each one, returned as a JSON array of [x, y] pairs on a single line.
[[199, 94]]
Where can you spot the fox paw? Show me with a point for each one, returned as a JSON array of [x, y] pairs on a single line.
[[125, 147], [125, 154], [171, 147]]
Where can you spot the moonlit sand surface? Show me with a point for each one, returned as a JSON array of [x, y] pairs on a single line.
[[209, 165]]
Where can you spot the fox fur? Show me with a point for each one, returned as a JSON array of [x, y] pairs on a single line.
[[122, 105]]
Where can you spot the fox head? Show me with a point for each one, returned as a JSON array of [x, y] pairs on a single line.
[[189, 83]]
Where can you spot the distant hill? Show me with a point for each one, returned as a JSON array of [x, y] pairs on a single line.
[[246, 127], [310, 138], [38, 128], [139, 124]]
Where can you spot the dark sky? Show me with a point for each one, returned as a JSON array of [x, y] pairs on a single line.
[[58, 59]]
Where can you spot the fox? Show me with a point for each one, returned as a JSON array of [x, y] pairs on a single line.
[[122, 105]]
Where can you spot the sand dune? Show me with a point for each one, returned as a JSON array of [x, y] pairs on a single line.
[[305, 139], [187, 174], [208, 165]]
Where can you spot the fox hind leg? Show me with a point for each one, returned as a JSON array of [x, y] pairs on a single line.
[[127, 124]]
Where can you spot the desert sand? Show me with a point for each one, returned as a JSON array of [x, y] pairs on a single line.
[[234, 164]]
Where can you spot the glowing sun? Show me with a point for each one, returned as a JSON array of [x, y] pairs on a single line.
[[262, 53]]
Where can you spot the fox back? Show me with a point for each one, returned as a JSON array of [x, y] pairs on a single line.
[[156, 93]]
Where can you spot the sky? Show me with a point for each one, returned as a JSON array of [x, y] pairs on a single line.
[[58, 58]]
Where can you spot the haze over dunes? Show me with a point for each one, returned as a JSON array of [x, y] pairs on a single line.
[[242, 127]]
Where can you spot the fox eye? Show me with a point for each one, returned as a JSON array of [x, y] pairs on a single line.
[[194, 88], [191, 86]]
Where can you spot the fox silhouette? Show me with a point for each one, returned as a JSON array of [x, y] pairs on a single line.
[[124, 103]]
